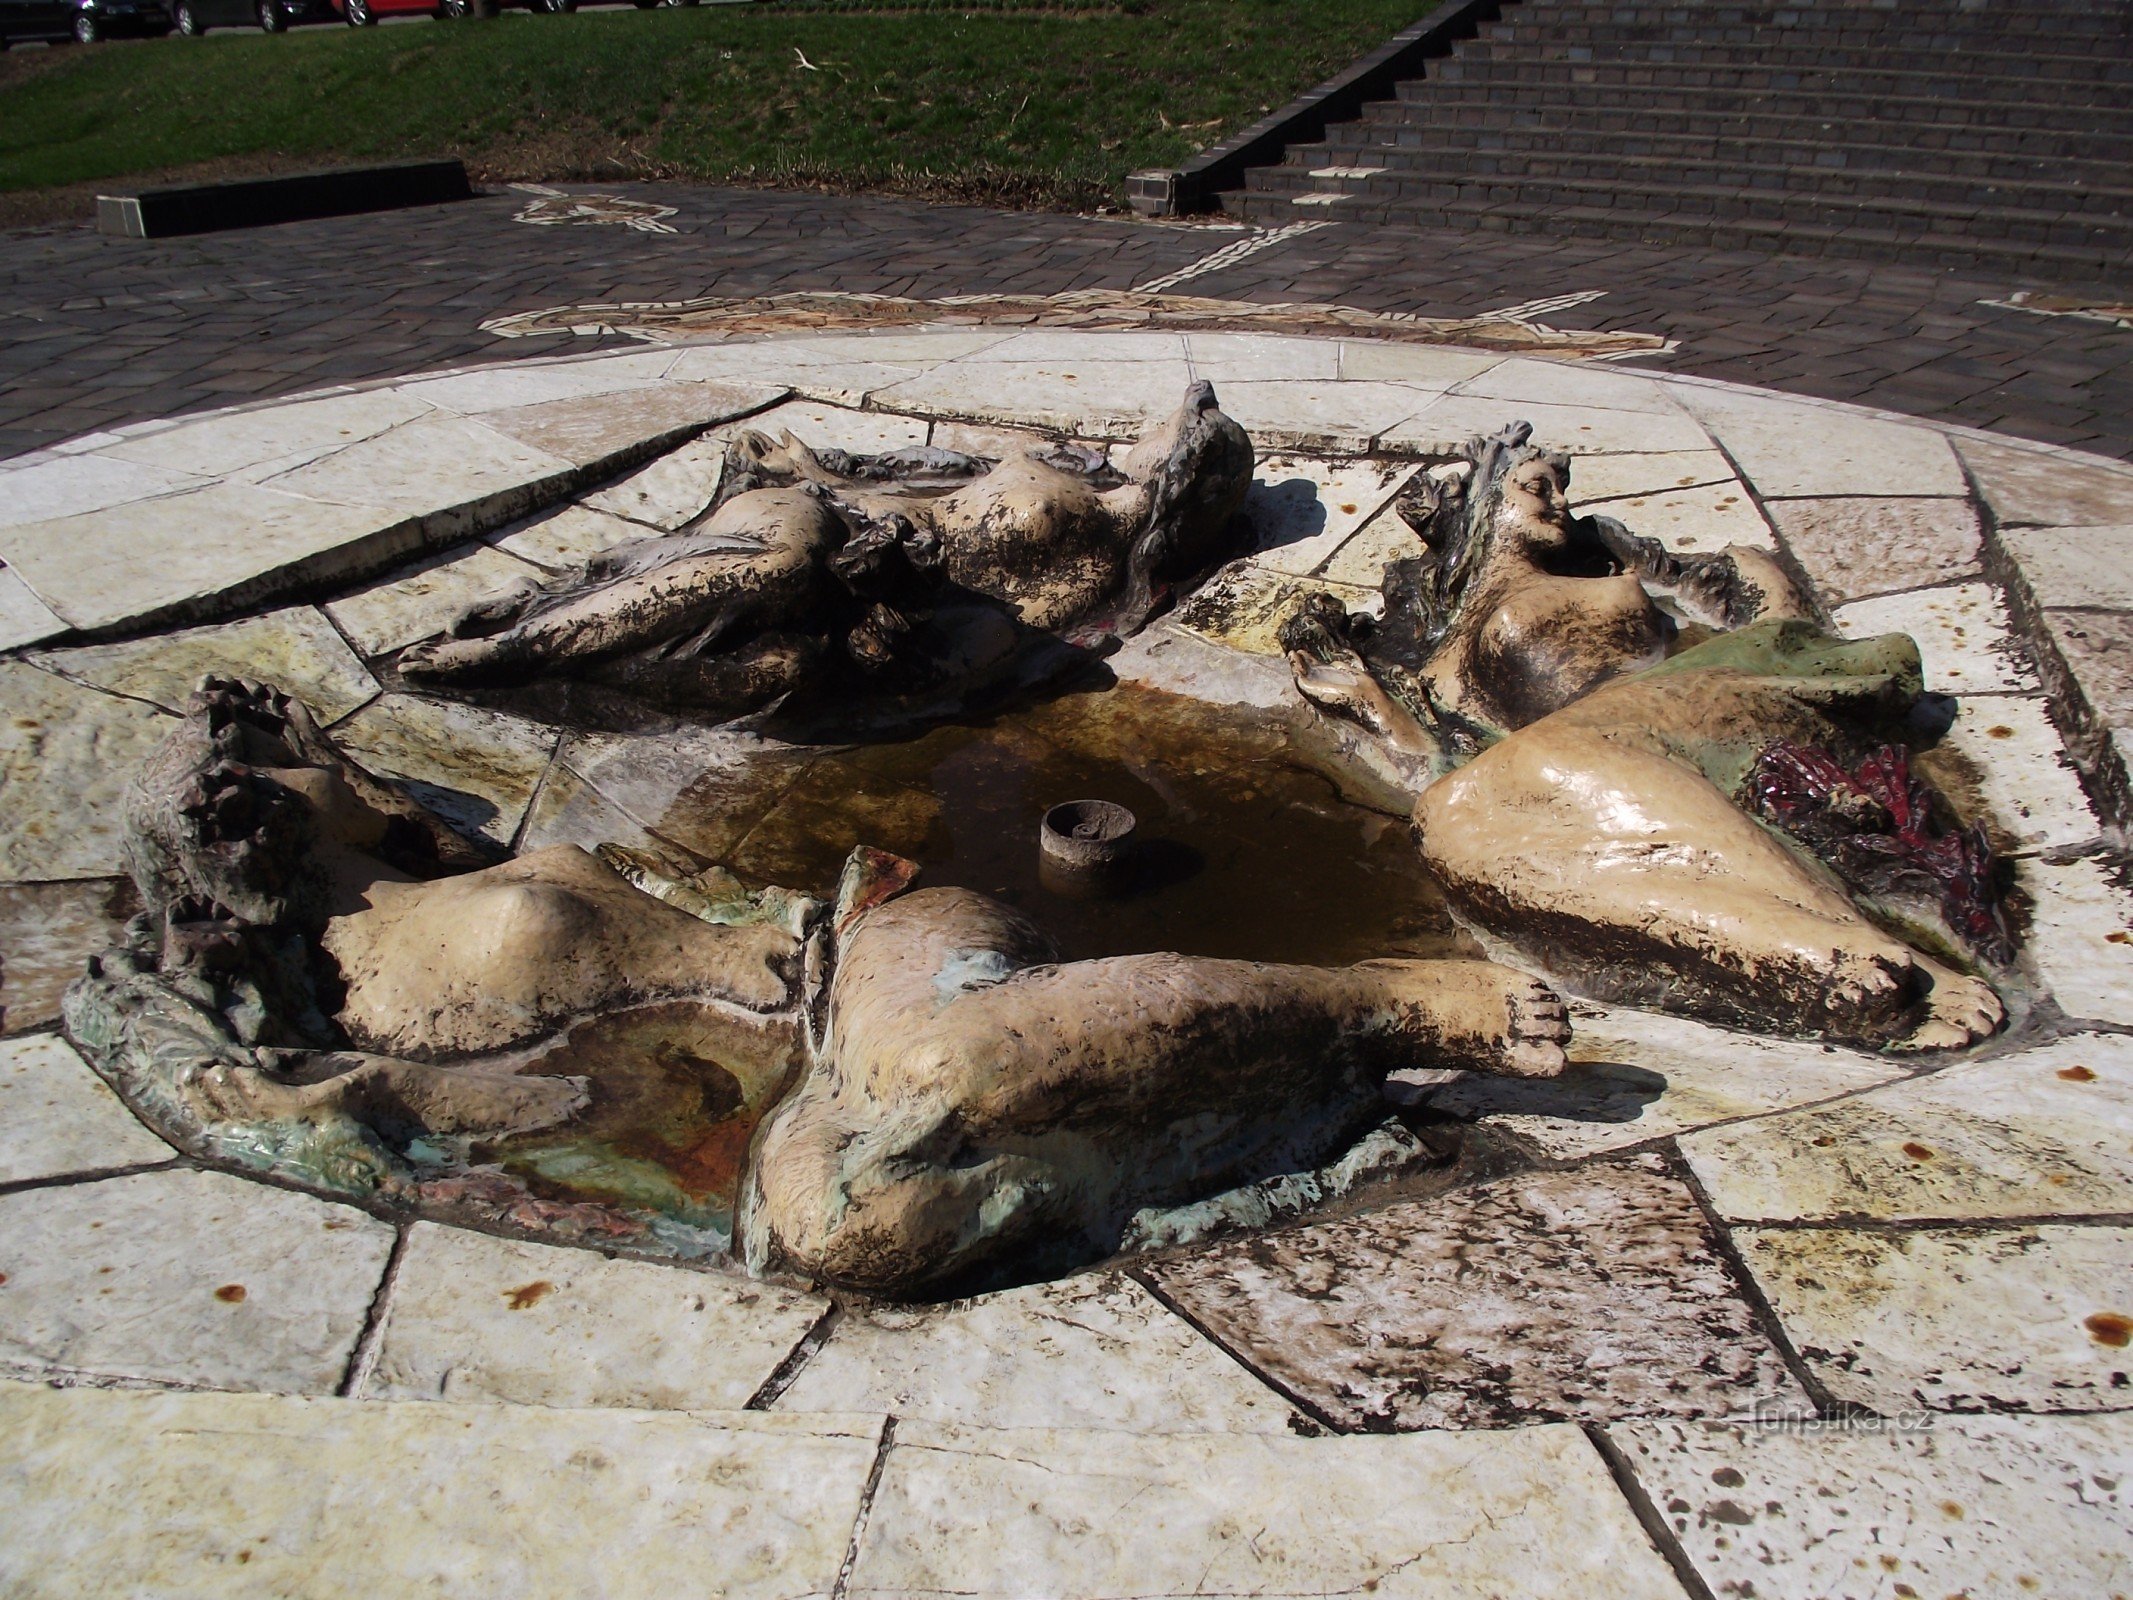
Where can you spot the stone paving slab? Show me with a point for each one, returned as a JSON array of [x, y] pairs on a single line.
[[66, 756], [1950, 1319], [1963, 635], [58, 1118], [1855, 546], [1970, 1506], [48, 931], [296, 650], [2040, 1133], [1637, 1076], [2007, 747], [423, 600], [1096, 1351], [2081, 936], [1038, 1514], [249, 1495], [472, 1318], [1788, 451], [1594, 1293], [477, 768], [184, 1277]]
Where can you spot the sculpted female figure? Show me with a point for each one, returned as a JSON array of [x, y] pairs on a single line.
[[1584, 774]]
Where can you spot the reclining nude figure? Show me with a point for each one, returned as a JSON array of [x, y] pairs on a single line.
[[1579, 783], [908, 571], [316, 943]]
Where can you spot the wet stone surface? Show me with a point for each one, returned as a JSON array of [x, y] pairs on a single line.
[[1589, 1294], [1243, 850]]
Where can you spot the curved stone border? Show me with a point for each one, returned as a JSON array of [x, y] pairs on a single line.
[[1768, 1234]]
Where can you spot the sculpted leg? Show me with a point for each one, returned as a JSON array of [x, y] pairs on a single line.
[[1629, 872], [974, 1097]]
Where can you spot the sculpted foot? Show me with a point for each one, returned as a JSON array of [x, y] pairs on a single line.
[[1481, 1017], [1960, 1010]]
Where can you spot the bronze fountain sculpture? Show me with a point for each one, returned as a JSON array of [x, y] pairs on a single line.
[[1700, 805]]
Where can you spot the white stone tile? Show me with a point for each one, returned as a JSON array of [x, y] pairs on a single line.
[[1226, 358], [974, 439], [1610, 477], [2016, 1319], [435, 463], [425, 599], [2042, 1133], [1104, 399], [48, 931], [1636, 1075], [66, 756], [1038, 1514], [2090, 568], [477, 768], [506, 384], [811, 374], [1700, 520], [1244, 606], [2007, 747], [589, 430], [781, 360], [47, 491], [187, 1277], [1345, 415], [1426, 366], [183, 555], [1072, 345], [1569, 383], [835, 427], [1601, 1291], [296, 650], [567, 537], [1302, 510], [2081, 937], [477, 1318], [1096, 1351], [57, 1117], [1787, 448], [1860, 545], [1962, 634], [1972, 1506], [256, 1497], [1447, 424], [24, 619], [672, 490], [1362, 559], [291, 432], [2025, 483]]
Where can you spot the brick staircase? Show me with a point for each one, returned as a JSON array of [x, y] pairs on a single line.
[[1992, 133]]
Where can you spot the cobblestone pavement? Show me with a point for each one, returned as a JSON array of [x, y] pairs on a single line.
[[96, 332]]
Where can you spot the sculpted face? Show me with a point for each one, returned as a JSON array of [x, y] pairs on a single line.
[[1535, 503]]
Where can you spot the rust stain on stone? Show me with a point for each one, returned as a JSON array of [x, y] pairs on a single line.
[[1917, 1151], [231, 1294], [2110, 1328], [528, 1295], [2077, 1074]]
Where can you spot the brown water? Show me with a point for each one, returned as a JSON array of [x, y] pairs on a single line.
[[1242, 849]]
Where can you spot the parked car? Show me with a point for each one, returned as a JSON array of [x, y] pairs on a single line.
[[85, 20], [195, 17], [365, 13]]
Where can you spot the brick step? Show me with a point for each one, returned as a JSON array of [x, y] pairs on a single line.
[[1819, 106], [1990, 58], [1523, 73], [2097, 187], [1549, 24], [1449, 180], [1910, 246], [1348, 141], [1716, 205]]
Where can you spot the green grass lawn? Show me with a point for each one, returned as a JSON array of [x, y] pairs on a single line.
[[1018, 102]]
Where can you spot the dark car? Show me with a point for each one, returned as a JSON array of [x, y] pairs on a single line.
[[195, 17], [86, 20]]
